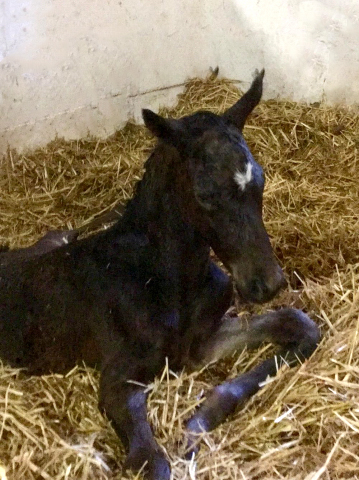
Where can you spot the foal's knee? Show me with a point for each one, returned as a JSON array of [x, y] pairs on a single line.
[[290, 328]]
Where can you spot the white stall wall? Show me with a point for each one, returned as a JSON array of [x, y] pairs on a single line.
[[73, 67]]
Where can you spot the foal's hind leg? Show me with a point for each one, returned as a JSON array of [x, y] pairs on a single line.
[[291, 329]]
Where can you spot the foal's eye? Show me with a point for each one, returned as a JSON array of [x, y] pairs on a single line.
[[210, 199], [205, 199]]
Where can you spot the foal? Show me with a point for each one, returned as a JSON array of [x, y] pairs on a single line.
[[146, 289]]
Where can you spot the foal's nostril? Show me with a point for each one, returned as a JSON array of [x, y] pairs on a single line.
[[278, 282], [258, 289]]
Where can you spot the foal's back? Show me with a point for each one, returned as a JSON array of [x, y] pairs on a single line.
[[48, 304]]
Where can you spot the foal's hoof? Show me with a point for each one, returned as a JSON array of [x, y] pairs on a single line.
[[195, 428], [154, 464]]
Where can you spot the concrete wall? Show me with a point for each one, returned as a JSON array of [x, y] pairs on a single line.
[[73, 67]]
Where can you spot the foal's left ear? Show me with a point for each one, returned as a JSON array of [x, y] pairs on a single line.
[[239, 112], [165, 128]]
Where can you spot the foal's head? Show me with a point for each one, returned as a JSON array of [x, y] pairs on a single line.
[[223, 190]]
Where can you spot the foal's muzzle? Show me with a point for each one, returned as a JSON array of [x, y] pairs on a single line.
[[261, 288]]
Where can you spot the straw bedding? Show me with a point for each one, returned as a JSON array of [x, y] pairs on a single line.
[[304, 424]]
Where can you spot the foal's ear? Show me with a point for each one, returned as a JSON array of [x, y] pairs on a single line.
[[239, 112], [166, 129]]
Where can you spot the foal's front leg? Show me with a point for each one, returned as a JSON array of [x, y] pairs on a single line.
[[291, 329], [124, 403]]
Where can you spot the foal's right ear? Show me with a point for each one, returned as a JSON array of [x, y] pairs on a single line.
[[165, 128]]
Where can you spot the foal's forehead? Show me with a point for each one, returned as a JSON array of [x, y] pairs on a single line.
[[223, 148], [226, 147]]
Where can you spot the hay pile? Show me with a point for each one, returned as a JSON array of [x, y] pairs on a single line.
[[304, 424]]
